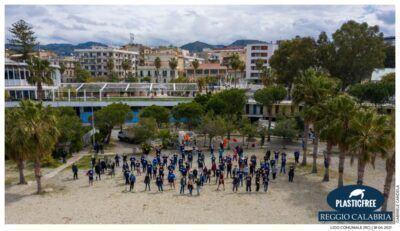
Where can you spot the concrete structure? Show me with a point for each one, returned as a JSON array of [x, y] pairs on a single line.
[[17, 86], [254, 52], [163, 75], [69, 73], [221, 55], [207, 69], [95, 60]]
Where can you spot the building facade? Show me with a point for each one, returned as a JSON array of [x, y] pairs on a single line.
[[207, 69], [163, 75], [254, 52], [95, 60], [68, 76], [17, 86]]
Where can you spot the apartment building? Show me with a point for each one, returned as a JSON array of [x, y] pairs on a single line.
[[163, 75], [254, 52], [68, 75], [222, 55], [207, 69], [95, 60]]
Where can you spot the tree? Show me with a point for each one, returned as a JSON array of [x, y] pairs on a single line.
[[234, 63], [201, 82], [41, 134], [110, 116], [390, 162], [242, 68], [82, 76], [157, 64], [195, 65], [247, 129], [268, 96], [375, 93], [23, 39], [213, 126], [126, 65], [285, 128], [311, 89], [202, 99], [292, 58], [145, 130], [371, 135], [173, 63], [15, 142], [190, 113], [160, 114], [41, 73], [110, 65], [70, 127], [358, 50], [343, 108], [390, 57]]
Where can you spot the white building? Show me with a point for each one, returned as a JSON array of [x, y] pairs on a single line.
[[17, 86], [163, 75], [257, 51], [95, 60]]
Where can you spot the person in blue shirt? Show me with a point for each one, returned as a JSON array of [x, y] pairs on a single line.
[[265, 182], [171, 179], [283, 165], [212, 149], [75, 171], [132, 180], [276, 153], [240, 174], [217, 174], [235, 183], [149, 170], [159, 183], [296, 156], [175, 158], [126, 175], [155, 161], [291, 173], [117, 158], [133, 160], [90, 174], [144, 165]]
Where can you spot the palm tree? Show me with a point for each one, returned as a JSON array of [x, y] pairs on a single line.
[[110, 66], [41, 135], [195, 65], [390, 162], [370, 136], [242, 68], [343, 107], [15, 142], [234, 63], [41, 73], [126, 65], [157, 64], [328, 133], [312, 89], [173, 63]]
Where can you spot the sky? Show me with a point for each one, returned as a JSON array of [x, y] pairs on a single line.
[[178, 25]]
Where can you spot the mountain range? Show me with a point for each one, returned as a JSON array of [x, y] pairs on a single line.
[[66, 49]]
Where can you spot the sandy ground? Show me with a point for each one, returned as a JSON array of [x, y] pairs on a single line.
[[108, 201]]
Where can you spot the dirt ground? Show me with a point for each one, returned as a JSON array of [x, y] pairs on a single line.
[[108, 202]]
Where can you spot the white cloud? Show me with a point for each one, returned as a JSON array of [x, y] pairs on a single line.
[[154, 25]]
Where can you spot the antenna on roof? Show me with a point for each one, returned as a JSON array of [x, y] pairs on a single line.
[[131, 38]]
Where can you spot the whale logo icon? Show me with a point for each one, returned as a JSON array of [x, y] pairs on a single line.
[[357, 192]]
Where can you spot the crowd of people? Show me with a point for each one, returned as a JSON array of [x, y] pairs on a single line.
[[192, 169]]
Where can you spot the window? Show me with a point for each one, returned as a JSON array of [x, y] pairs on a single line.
[[10, 74], [22, 73], [6, 74]]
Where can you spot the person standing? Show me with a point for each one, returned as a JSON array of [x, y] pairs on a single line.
[[296, 156], [221, 181], [117, 158], [235, 183], [171, 179], [112, 167], [132, 180], [147, 182], [257, 182], [283, 164], [198, 185], [248, 183], [97, 169], [190, 186], [274, 171], [75, 171], [126, 175], [291, 173], [159, 183], [265, 182], [183, 184], [90, 174]]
